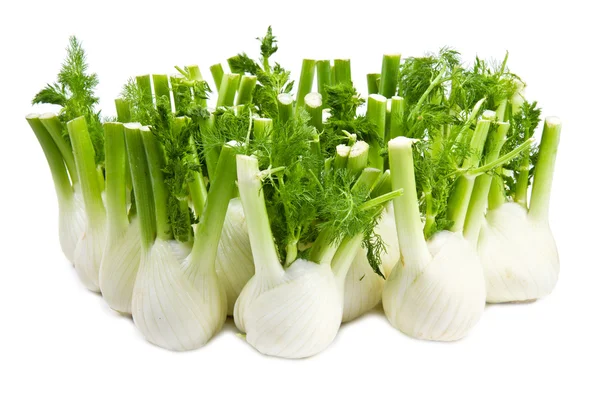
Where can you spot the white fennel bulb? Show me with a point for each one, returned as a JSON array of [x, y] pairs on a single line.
[[519, 255], [176, 304], [294, 312], [437, 290], [121, 257], [441, 299], [300, 316], [516, 245], [90, 246], [363, 287], [234, 263], [119, 267], [170, 309]]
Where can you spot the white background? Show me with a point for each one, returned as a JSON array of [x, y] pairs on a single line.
[[57, 340]]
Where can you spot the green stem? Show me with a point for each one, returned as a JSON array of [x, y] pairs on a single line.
[[217, 202], [211, 157], [323, 77], [368, 178], [194, 73], [123, 110], [344, 255], [358, 157], [83, 151], [196, 185], [390, 68], [313, 103], [413, 247], [247, 86], [62, 185], [305, 83], [501, 110], [182, 231], [397, 117], [373, 80], [180, 91], [162, 90], [479, 197], [285, 107], [430, 215], [458, 202], [156, 164], [144, 83], [262, 127], [217, 73], [522, 185], [115, 161], [544, 170], [341, 156], [342, 71], [227, 90], [502, 160], [56, 128], [266, 260], [291, 253], [142, 184], [497, 196], [382, 199], [323, 250], [383, 185], [376, 112]]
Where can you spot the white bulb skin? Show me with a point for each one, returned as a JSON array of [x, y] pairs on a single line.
[[363, 287], [444, 299], [256, 286], [88, 253], [119, 267], [519, 255], [234, 263], [72, 221], [298, 318], [169, 309]]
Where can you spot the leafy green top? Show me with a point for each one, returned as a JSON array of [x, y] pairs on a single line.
[[74, 92], [272, 80], [176, 135], [443, 102]]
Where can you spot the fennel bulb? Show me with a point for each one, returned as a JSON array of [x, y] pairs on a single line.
[[171, 310], [119, 266], [363, 287], [294, 312], [516, 245], [300, 316], [177, 305], [437, 290], [234, 262]]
